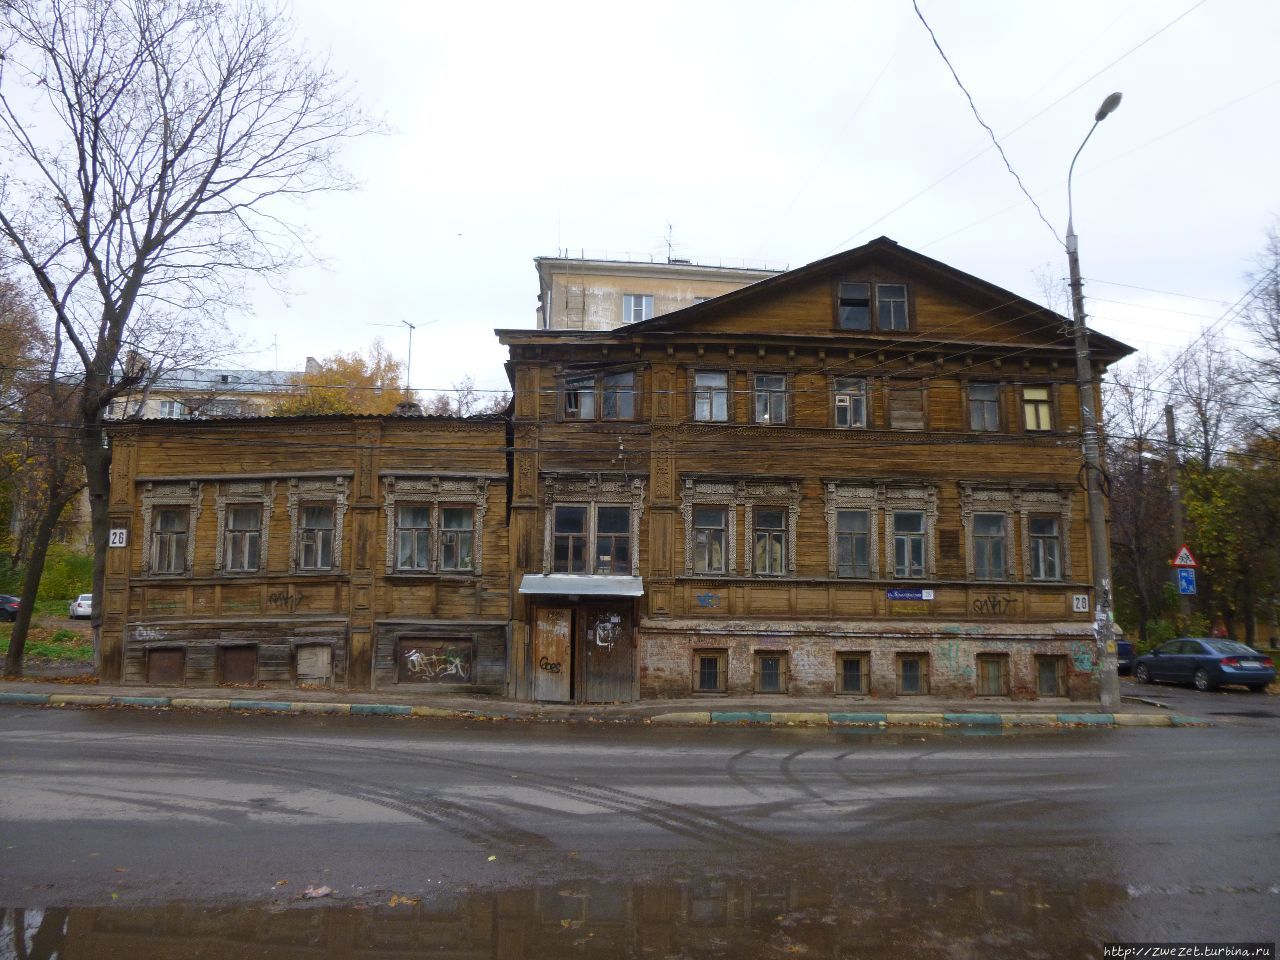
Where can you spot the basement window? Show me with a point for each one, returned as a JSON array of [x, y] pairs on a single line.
[[771, 671], [854, 675], [913, 674], [709, 671]]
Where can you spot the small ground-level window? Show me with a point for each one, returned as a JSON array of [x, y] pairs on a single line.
[[913, 674], [315, 664], [993, 674], [771, 671], [854, 675], [1051, 676], [238, 664], [166, 665], [709, 673]]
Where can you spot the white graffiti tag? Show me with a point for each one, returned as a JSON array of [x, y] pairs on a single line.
[[435, 666]]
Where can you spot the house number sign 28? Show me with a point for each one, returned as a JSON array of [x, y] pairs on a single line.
[[119, 537], [1080, 603]]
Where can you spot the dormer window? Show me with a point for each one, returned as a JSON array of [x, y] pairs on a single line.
[[856, 306]]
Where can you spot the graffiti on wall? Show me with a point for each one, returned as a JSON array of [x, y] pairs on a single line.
[[951, 656], [435, 661], [1082, 656], [606, 631], [994, 604]]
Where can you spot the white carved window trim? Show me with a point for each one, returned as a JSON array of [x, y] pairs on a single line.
[[841, 495], [923, 499], [1021, 502], [316, 491], [167, 495], [236, 493], [592, 491], [438, 493], [733, 494]]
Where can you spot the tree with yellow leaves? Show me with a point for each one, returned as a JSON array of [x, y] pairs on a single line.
[[347, 383]]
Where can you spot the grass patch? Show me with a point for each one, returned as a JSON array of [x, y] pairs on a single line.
[[45, 644]]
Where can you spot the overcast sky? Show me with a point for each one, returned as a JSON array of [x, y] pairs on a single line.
[[780, 133]]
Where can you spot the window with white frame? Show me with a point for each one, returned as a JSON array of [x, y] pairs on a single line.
[[637, 307], [709, 527], [172, 408], [771, 399], [891, 306], [433, 523], [850, 402], [1043, 535], [770, 535], [170, 529], [1037, 408], [908, 544], [315, 536], [711, 396], [243, 537]]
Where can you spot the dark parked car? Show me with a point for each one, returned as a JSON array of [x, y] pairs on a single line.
[[1205, 663], [8, 607], [1124, 656]]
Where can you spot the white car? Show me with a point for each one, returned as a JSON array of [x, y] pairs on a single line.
[[82, 606]]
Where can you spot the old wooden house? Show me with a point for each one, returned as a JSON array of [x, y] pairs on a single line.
[[348, 551], [858, 477]]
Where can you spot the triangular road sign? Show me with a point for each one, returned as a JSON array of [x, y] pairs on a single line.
[[1184, 558]]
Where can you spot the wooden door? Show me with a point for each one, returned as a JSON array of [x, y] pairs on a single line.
[[552, 649], [608, 654]]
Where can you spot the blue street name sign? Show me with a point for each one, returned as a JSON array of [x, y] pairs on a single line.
[[903, 593], [1186, 581]]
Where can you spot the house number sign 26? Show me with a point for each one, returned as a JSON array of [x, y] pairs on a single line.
[[119, 537]]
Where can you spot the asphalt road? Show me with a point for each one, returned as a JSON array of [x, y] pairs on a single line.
[[1046, 843]]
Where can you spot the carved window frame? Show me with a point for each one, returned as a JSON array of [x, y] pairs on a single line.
[[733, 494], [167, 496], [921, 498], [1020, 502], [318, 491], [438, 493], [843, 495], [235, 493], [592, 491]]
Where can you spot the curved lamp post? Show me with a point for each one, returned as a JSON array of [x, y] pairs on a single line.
[[1100, 554]]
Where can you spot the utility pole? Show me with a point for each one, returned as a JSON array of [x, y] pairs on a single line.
[[1175, 504], [1100, 553]]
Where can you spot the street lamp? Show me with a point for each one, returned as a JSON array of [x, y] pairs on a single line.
[[1103, 630]]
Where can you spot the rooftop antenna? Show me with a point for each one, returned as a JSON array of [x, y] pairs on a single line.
[[408, 363], [275, 351]]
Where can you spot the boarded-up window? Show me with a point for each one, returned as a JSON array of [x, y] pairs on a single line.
[[993, 675], [434, 661], [166, 666], [315, 664], [906, 407], [238, 664]]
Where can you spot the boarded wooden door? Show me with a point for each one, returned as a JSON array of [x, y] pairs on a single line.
[[608, 654], [552, 668]]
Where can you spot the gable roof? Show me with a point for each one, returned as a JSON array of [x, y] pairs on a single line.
[[881, 250]]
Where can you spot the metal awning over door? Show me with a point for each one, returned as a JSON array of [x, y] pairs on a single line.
[[581, 585]]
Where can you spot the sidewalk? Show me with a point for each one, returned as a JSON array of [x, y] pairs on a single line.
[[692, 711]]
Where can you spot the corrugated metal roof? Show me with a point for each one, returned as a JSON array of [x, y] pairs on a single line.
[[577, 584]]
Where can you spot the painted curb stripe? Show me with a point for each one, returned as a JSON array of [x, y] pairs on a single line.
[[1178, 720], [972, 719], [1028, 720], [1143, 720], [742, 716], [913, 719], [803, 719], [40, 698], [198, 703], [381, 709], [309, 706], [277, 706], [692, 719], [1088, 719], [858, 719], [78, 700], [141, 701]]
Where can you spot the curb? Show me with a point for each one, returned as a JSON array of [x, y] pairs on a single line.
[[730, 718]]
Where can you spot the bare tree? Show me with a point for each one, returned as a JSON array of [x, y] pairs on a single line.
[[464, 399], [1140, 514], [150, 149], [1262, 320], [1207, 392]]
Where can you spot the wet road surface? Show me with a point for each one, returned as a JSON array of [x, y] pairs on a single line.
[[196, 836]]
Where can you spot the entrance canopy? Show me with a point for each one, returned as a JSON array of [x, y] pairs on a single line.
[[582, 585]]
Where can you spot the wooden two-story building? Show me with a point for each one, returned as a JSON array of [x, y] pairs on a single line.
[[348, 551], [858, 477]]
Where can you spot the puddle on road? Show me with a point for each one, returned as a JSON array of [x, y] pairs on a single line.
[[674, 920]]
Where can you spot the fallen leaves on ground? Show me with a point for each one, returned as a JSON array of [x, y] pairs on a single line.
[[311, 893]]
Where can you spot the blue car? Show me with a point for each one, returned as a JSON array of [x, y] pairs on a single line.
[[1124, 656], [1205, 663]]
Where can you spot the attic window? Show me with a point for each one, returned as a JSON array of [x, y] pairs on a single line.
[[854, 311]]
